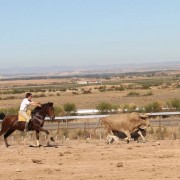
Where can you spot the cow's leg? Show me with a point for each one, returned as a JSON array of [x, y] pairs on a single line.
[[109, 139], [8, 133], [140, 133], [128, 136], [115, 137]]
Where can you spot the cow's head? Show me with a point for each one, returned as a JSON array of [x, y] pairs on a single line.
[[144, 118]]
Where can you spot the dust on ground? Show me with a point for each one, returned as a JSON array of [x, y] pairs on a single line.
[[91, 159]]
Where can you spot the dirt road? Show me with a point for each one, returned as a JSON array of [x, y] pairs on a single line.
[[91, 159]]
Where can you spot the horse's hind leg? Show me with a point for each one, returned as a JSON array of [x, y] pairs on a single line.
[[4, 129], [8, 133]]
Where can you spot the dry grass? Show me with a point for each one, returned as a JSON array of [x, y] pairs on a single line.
[[86, 100]]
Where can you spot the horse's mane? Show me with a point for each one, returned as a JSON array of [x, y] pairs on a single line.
[[43, 106]]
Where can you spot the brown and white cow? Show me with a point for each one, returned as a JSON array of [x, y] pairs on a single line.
[[125, 123]]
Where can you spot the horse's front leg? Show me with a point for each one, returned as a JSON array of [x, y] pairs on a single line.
[[47, 132], [37, 138]]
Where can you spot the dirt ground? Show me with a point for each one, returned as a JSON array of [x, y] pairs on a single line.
[[91, 159]]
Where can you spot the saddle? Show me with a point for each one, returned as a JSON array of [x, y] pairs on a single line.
[[21, 118]]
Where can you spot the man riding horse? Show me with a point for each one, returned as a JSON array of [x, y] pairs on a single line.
[[24, 107], [11, 123]]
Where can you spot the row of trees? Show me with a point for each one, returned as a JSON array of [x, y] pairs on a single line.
[[105, 107], [172, 105]]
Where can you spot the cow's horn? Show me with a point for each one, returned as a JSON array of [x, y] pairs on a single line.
[[144, 115]]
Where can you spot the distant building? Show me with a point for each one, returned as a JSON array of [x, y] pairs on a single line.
[[92, 81]]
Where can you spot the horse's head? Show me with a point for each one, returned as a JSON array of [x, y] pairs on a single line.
[[46, 109], [49, 109]]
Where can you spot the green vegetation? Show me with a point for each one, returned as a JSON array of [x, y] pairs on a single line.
[[8, 111], [153, 107], [148, 94], [174, 104], [69, 108], [105, 107]]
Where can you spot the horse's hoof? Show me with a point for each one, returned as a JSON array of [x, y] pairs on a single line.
[[52, 139], [7, 145]]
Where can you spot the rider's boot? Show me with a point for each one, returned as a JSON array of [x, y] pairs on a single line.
[[26, 126]]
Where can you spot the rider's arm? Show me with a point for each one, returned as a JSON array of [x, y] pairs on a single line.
[[36, 104]]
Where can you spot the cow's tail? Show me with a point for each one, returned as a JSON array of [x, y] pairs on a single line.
[[99, 122]]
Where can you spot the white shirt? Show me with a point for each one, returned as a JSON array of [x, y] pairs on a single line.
[[24, 104]]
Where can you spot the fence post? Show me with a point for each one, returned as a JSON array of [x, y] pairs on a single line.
[[160, 127]]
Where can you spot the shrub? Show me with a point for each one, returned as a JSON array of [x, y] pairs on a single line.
[[87, 92], [69, 107], [128, 107], [119, 88], [75, 93], [115, 107], [102, 88], [62, 89], [148, 94], [133, 93], [153, 107], [145, 86], [58, 110], [104, 107], [130, 86], [174, 104]]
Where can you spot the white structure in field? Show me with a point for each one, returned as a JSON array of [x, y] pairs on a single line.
[[87, 111]]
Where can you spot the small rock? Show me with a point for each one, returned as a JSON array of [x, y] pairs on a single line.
[[57, 169], [158, 143], [61, 154], [18, 170], [37, 161], [129, 148], [119, 164], [67, 152]]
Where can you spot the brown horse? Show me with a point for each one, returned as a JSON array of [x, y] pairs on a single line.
[[10, 123]]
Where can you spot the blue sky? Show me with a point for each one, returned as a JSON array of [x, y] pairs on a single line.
[[88, 32]]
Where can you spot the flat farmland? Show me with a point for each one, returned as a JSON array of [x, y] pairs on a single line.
[[61, 91]]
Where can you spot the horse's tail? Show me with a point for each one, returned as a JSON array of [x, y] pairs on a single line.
[[2, 116], [3, 128], [5, 124]]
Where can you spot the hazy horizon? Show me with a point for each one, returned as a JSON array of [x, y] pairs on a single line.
[[81, 32]]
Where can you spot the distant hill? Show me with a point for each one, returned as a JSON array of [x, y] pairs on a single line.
[[85, 70]]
